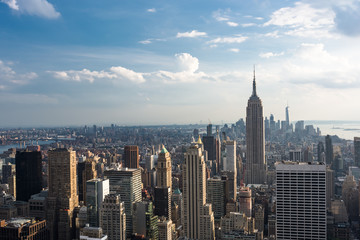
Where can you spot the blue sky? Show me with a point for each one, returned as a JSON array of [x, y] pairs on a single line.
[[66, 62]]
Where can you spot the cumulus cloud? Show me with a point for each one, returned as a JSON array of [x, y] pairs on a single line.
[[192, 34], [270, 54], [186, 62], [232, 24], [9, 76], [40, 8], [303, 20], [237, 39], [152, 10], [187, 72], [11, 3]]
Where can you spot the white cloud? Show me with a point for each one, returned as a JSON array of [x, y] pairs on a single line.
[[192, 34], [11, 3], [270, 54], [124, 74], [237, 39], [147, 41], [9, 76], [221, 15], [40, 8], [248, 24], [304, 21], [232, 24], [235, 50], [258, 18], [220, 19], [152, 10], [274, 34], [186, 62]]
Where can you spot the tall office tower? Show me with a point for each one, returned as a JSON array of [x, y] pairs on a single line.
[[329, 151], [28, 174], [287, 117], [217, 196], [357, 151], [272, 122], [86, 171], [80, 175], [245, 202], [145, 221], [162, 202], [131, 157], [177, 199], [62, 196], [96, 190], [209, 129], [127, 183], [300, 201], [230, 162], [255, 147], [320, 150], [259, 214], [7, 170], [163, 169], [198, 217], [299, 127], [113, 217], [12, 184], [230, 177], [350, 195], [165, 229], [330, 186]]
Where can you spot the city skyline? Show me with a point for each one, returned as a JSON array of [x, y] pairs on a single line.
[[144, 63]]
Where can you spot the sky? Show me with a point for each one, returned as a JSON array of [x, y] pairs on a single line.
[[131, 62]]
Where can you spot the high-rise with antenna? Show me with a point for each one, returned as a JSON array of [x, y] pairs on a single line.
[[255, 147]]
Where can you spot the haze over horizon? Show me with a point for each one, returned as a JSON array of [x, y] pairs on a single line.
[[159, 62]]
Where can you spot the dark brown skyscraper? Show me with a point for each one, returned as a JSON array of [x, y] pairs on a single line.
[[28, 174], [255, 147], [62, 198], [131, 156]]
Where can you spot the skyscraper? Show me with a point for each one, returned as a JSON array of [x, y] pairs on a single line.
[[131, 156], [62, 197], [300, 201], [255, 147], [198, 217], [357, 151], [287, 117], [96, 190], [28, 174], [113, 217], [329, 152], [163, 169], [127, 183]]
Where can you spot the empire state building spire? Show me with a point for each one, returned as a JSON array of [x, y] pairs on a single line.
[[254, 84]]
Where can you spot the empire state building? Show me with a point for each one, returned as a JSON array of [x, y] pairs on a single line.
[[255, 147]]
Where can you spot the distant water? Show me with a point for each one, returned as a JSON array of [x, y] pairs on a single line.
[[6, 147], [343, 129]]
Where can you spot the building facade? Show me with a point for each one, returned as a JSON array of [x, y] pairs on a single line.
[[198, 217], [62, 195], [301, 201]]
